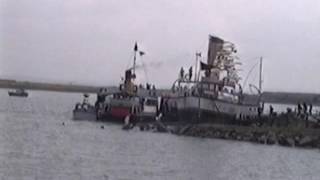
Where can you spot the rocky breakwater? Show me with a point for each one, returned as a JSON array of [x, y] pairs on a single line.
[[308, 138]]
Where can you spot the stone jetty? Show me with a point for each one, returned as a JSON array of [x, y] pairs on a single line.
[[285, 130], [309, 138]]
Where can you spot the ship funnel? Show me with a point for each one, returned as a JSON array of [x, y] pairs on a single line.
[[215, 45]]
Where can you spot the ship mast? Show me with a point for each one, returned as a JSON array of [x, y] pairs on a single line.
[[135, 57], [260, 76]]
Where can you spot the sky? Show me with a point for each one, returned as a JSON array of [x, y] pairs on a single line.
[[91, 41]]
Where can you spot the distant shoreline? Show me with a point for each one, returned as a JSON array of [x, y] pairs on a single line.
[[269, 97], [13, 84]]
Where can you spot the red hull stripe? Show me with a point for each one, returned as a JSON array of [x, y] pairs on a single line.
[[120, 112]]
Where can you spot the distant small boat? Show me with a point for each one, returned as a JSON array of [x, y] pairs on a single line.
[[18, 93]]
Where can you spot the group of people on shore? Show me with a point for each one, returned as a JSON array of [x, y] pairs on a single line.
[[302, 108], [302, 111]]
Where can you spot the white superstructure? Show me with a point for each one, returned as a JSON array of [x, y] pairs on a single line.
[[218, 91]]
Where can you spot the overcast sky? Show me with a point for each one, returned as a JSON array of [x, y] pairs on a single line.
[[91, 41]]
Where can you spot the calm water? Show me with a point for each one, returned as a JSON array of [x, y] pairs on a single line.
[[35, 145]]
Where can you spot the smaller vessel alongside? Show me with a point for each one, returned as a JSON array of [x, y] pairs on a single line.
[[117, 106], [128, 105], [84, 110], [18, 93]]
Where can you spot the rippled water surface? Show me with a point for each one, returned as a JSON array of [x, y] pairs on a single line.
[[35, 145]]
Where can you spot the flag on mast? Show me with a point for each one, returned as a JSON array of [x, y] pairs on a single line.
[[141, 53], [204, 66]]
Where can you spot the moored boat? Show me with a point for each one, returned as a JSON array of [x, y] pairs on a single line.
[[18, 93], [216, 96], [127, 102]]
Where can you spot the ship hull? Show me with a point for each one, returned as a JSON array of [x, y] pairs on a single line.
[[192, 108], [118, 109], [24, 94], [84, 115], [88, 113]]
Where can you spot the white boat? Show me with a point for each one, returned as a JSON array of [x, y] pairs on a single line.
[[84, 110]]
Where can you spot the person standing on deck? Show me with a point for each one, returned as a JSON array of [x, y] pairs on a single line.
[[85, 99], [154, 92], [101, 96], [147, 86], [181, 73], [190, 73], [85, 102]]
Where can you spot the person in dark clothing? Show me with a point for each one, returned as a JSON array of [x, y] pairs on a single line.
[[190, 73], [148, 86], [305, 108], [299, 109], [305, 114], [154, 93], [270, 110], [142, 103], [260, 122], [101, 98], [181, 73], [310, 109], [259, 111], [166, 105], [161, 108], [271, 115]]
